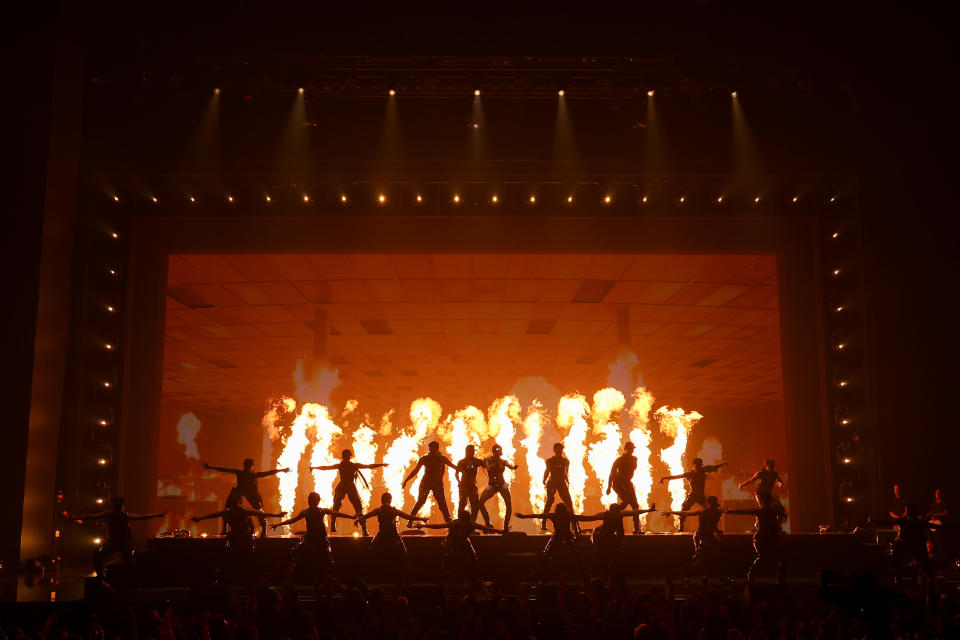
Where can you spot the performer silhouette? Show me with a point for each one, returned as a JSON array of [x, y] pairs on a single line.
[[706, 540], [432, 481], [247, 485], [458, 550], [239, 530], [911, 541], [766, 539], [387, 543], [608, 537], [467, 480], [348, 471], [556, 481], [697, 477], [496, 483], [119, 538], [561, 549], [314, 546], [767, 478], [621, 481]]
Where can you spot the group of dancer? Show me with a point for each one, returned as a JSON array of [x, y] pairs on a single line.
[[459, 556]]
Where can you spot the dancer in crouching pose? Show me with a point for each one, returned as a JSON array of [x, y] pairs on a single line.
[[119, 538], [706, 540], [314, 547], [348, 472], [388, 544], [608, 537], [561, 549], [247, 485]]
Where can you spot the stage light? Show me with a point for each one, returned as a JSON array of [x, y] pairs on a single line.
[[733, 94], [833, 198], [836, 272], [719, 199], [216, 91], [107, 384], [110, 308], [795, 199], [192, 199], [97, 541], [356, 534], [842, 384], [835, 235], [533, 199], [560, 93], [229, 198], [841, 346], [606, 200], [419, 198], [300, 90], [643, 199], [99, 500], [154, 200], [381, 198], [203, 535], [392, 92], [650, 93], [102, 462], [845, 421], [476, 92], [104, 423], [116, 198], [569, 199], [683, 199], [114, 235], [756, 200], [456, 198], [847, 460], [306, 198], [268, 199], [108, 347], [113, 272], [56, 533], [494, 199], [839, 309], [343, 197]]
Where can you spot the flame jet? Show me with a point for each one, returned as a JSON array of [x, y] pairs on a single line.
[[640, 437], [602, 453], [676, 423], [572, 413], [536, 467]]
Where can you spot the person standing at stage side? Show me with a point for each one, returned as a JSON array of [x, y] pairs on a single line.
[[467, 480], [706, 540], [697, 477], [769, 529], [314, 546], [556, 481], [119, 537], [767, 479], [387, 543], [496, 466], [898, 508], [348, 471], [432, 481], [608, 537], [621, 481], [457, 548], [247, 485]]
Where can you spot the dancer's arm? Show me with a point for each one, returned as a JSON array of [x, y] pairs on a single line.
[[210, 467], [712, 468], [413, 474], [410, 517], [210, 516], [329, 467], [149, 516], [271, 472], [374, 465], [752, 479], [295, 518], [338, 514]]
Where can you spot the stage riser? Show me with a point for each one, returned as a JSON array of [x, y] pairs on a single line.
[[189, 561]]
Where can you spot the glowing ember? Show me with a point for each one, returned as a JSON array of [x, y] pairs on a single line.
[[533, 431], [602, 453], [572, 419], [187, 430], [676, 423]]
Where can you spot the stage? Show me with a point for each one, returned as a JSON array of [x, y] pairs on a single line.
[[187, 562]]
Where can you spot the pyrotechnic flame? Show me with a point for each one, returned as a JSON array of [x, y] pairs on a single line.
[[572, 420], [349, 407], [365, 452], [296, 443], [602, 453], [466, 426], [502, 418], [676, 423], [711, 452], [187, 430], [533, 431], [640, 437], [276, 409], [326, 431], [386, 426], [405, 450]]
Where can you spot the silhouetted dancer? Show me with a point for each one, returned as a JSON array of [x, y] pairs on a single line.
[[556, 481], [767, 478], [706, 540], [911, 541], [561, 549], [621, 481], [119, 538], [898, 508], [314, 546], [608, 536], [496, 466], [768, 529], [387, 543], [348, 471], [467, 483], [432, 481], [247, 485], [239, 529], [458, 550], [697, 494]]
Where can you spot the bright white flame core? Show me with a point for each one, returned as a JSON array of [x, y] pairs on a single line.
[[533, 431], [572, 418], [676, 423]]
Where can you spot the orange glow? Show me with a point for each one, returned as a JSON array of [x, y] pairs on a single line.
[[116, 198], [683, 199], [392, 92], [154, 199], [102, 462], [343, 198], [306, 198], [476, 92], [229, 198], [494, 199], [533, 199], [643, 199], [267, 198], [650, 93], [456, 197], [419, 198], [381, 198], [560, 93], [192, 199], [719, 199], [606, 200], [569, 199]]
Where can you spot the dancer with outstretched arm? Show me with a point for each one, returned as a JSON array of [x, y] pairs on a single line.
[[239, 533], [347, 474], [767, 478], [496, 467], [769, 530], [119, 537], [556, 481], [608, 537], [621, 481], [458, 550], [432, 482], [561, 549], [706, 539], [247, 485], [466, 475], [697, 477], [388, 544]]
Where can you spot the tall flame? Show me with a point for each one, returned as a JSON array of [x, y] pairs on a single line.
[[405, 450], [296, 443], [676, 423], [572, 419], [603, 452], [464, 427], [187, 430], [533, 431], [640, 437], [326, 431], [365, 452]]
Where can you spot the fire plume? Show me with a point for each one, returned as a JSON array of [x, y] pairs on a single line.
[[462, 428], [536, 466], [295, 444], [603, 452], [640, 437], [365, 452], [572, 420], [325, 432], [187, 430], [676, 423]]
